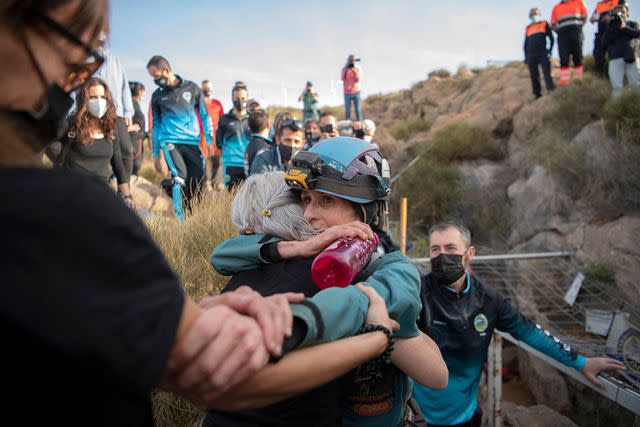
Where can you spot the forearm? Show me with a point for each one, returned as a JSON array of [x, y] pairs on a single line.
[[420, 359], [302, 370]]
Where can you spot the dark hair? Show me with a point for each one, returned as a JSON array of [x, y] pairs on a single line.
[[82, 117], [327, 114], [237, 88], [135, 88], [280, 117], [310, 122], [159, 62], [291, 126], [258, 121], [204, 82], [90, 15]]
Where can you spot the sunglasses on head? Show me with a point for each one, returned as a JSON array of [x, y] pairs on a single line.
[[292, 123], [80, 71]]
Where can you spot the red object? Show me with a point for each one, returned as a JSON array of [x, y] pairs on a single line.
[[340, 263], [214, 108]]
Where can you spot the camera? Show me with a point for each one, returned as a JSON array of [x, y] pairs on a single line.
[[616, 19], [327, 128]]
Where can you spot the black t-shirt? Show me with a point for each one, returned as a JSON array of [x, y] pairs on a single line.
[[95, 158], [89, 307], [320, 407]]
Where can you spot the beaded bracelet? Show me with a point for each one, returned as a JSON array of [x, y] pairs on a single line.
[[386, 356]]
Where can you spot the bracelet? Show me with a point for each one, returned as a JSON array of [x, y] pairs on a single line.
[[385, 357]]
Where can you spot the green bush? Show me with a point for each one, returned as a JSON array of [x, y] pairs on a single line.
[[409, 127], [477, 70], [622, 116], [433, 191], [461, 141], [441, 72], [577, 104], [589, 64], [149, 173]]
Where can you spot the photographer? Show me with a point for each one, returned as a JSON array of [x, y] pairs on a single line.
[[619, 41], [309, 99], [351, 76], [328, 126], [602, 15]]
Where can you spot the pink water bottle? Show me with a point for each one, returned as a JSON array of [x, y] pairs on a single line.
[[340, 263]]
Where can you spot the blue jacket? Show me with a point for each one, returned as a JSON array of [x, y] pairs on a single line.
[[232, 137], [174, 115], [462, 326]]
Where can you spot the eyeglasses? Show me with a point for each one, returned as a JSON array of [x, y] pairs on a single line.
[[80, 71], [292, 123]]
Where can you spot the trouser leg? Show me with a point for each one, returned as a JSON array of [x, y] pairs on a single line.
[[616, 75], [546, 70], [194, 167], [535, 76]]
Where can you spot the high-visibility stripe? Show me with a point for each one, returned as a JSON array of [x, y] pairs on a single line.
[[565, 76], [606, 6], [539, 27], [577, 72]]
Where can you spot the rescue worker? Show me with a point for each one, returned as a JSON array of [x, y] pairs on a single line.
[[460, 313], [536, 52], [602, 15], [567, 19]]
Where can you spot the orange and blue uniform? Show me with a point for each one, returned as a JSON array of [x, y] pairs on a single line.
[[536, 54], [567, 19]]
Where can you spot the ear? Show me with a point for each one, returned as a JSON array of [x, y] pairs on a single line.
[[471, 253]]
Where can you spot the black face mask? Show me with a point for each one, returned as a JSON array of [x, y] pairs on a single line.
[[447, 268], [207, 92], [239, 104], [50, 123], [161, 82], [285, 153], [312, 137]]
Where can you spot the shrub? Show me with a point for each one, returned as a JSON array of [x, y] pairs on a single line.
[[187, 246], [461, 141], [409, 127], [589, 64], [622, 116], [433, 190], [577, 104], [441, 72]]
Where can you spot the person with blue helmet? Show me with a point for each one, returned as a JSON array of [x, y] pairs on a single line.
[[343, 184]]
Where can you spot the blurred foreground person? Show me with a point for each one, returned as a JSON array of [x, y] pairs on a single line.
[[92, 313]]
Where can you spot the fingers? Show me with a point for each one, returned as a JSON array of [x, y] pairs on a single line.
[[373, 296], [591, 377], [395, 326]]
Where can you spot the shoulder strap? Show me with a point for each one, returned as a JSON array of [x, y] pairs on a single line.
[[376, 259], [61, 159]]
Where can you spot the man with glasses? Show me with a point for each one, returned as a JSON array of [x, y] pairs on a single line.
[[232, 137], [290, 140]]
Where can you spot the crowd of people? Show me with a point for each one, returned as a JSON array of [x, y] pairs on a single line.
[[616, 44], [95, 317]]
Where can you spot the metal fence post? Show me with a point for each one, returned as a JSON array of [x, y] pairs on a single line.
[[494, 377]]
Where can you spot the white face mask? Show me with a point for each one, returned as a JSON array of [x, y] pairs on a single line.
[[535, 18], [97, 107]]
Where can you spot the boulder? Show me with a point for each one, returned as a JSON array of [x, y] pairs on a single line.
[[615, 244], [148, 196], [545, 382], [535, 416]]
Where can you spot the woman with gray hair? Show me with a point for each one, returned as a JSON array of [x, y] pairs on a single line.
[[266, 205]]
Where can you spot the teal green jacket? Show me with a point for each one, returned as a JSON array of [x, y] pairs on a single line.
[[342, 311]]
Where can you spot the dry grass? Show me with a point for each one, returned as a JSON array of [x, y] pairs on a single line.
[[187, 246]]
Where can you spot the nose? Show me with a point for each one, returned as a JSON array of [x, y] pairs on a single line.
[[310, 213]]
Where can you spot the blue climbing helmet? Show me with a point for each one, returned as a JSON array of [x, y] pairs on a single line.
[[349, 168]]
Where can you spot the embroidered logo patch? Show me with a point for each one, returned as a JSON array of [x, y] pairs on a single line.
[[481, 323], [187, 96]]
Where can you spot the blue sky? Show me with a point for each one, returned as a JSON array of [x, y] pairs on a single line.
[[276, 46]]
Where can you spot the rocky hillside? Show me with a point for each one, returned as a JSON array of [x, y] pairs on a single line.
[[564, 176]]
